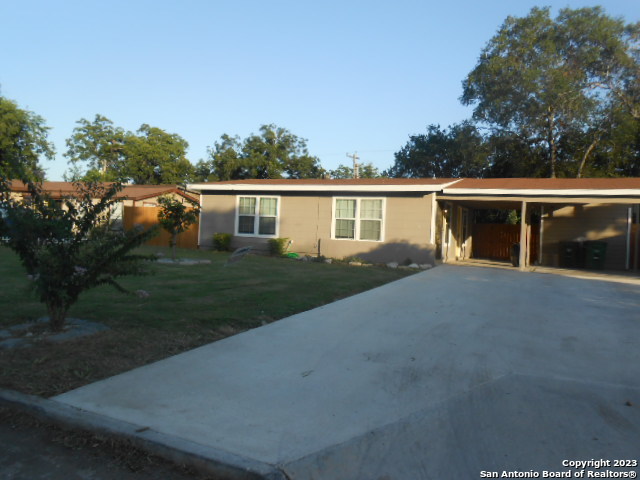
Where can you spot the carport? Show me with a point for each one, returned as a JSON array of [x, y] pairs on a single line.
[[591, 209]]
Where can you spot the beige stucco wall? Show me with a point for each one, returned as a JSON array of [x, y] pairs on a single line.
[[307, 221], [587, 222]]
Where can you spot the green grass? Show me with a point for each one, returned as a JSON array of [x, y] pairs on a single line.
[[189, 305]]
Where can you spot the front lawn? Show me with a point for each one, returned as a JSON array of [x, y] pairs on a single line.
[[187, 306]]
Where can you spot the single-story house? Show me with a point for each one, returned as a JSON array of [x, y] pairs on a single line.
[[131, 195], [417, 219]]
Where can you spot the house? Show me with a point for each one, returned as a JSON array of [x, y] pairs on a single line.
[[131, 195], [420, 220]]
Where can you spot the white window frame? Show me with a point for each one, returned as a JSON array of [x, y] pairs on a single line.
[[358, 219], [256, 220]]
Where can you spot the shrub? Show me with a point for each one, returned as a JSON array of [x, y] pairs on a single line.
[[222, 242], [176, 217], [278, 246], [69, 250]]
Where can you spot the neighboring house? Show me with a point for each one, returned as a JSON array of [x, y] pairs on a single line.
[[129, 196], [384, 220]]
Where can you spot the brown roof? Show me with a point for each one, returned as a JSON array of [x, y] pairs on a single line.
[[548, 183], [131, 192], [336, 181]]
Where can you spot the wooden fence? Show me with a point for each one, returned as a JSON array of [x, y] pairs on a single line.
[[494, 240], [147, 217]]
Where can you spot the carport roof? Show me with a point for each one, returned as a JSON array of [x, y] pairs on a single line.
[[546, 190], [564, 187]]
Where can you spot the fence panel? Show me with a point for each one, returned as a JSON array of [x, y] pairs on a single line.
[[494, 240], [148, 216]]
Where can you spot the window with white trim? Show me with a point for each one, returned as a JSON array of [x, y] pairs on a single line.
[[257, 216], [358, 219]]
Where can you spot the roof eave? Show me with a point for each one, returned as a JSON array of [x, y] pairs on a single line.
[[532, 192], [253, 187]]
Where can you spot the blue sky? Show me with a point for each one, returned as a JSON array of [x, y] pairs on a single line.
[[347, 76]]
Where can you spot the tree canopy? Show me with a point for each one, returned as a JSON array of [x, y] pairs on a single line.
[[273, 153], [554, 84], [458, 152], [23, 141], [366, 170], [109, 153]]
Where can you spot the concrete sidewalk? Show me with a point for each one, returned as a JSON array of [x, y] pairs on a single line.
[[443, 374]]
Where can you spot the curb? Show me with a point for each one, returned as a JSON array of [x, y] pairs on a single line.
[[202, 458]]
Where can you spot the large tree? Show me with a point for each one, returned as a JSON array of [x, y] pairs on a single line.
[[109, 153], [543, 80], [23, 140], [458, 152], [99, 145], [273, 153], [154, 156]]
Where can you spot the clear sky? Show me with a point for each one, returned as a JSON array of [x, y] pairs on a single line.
[[346, 75]]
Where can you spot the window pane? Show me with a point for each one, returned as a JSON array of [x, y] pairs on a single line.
[[245, 224], [370, 229], [345, 228], [371, 209], [268, 206], [247, 206], [267, 226], [345, 208]]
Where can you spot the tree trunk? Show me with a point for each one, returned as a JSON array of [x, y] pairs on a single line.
[[57, 316], [174, 241], [553, 148], [585, 156]]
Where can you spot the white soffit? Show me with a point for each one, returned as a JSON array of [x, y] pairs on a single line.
[[320, 187]]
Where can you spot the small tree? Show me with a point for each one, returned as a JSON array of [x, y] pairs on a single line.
[[176, 217], [67, 247]]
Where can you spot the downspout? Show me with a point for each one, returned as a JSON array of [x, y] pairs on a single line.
[[629, 227], [200, 220], [541, 235], [637, 239]]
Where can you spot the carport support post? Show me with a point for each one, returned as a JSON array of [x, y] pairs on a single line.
[[524, 253]]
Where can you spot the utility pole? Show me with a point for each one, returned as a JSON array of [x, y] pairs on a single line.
[[356, 165]]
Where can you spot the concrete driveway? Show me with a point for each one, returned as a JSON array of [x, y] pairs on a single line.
[[445, 374]]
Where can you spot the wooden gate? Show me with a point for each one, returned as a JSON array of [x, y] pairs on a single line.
[[147, 217], [494, 240]]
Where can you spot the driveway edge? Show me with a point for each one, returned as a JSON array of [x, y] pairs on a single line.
[[204, 459]]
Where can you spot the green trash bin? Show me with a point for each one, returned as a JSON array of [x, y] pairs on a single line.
[[569, 254], [594, 254]]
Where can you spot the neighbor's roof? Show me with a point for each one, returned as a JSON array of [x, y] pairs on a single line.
[[337, 185], [546, 186], [130, 192]]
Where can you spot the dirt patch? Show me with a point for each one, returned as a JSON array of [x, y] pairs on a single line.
[[31, 333], [48, 369], [40, 450]]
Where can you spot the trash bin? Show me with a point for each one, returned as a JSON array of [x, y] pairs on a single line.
[[515, 254], [569, 255], [594, 254]]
